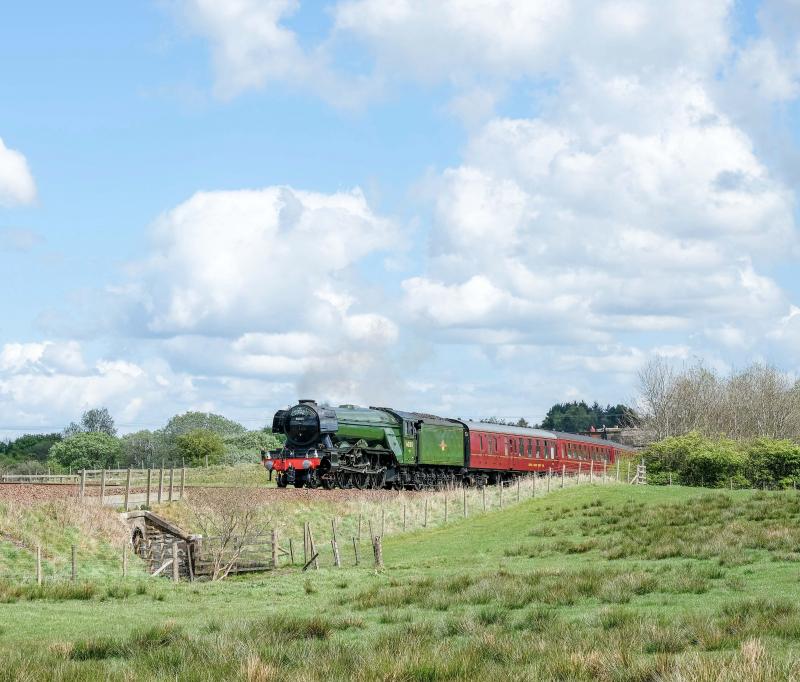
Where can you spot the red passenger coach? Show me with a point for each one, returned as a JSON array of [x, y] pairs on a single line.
[[497, 447]]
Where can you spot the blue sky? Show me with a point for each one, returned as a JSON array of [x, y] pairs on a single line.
[[453, 207]]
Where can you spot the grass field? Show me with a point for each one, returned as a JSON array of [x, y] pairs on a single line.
[[607, 582]]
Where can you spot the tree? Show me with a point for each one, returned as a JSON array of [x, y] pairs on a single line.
[[86, 451], [205, 421], [758, 401], [194, 447], [144, 448], [31, 447], [96, 420], [227, 519]]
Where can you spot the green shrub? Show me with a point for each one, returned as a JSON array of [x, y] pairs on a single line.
[[199, 446], [86, 451]]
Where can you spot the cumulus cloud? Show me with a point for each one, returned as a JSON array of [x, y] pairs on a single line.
[[264, 283], [560, 227], [252, 47], [510, 39], [16, 181], [256, 260]]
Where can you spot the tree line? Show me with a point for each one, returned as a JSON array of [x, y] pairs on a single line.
[[191, 439], [740, 429], [578, 416]]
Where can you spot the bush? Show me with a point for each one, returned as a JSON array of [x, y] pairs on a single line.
[[86, 451], [694, 459], [194, 447], [246, 447], [775, 463]]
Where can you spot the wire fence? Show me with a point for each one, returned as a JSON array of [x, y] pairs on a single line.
[[331, 540]]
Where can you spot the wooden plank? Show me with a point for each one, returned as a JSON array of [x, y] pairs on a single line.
[[176, 569], [164, 565], [310, 561]]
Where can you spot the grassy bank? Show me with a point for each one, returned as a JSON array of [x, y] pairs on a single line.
[[605, 582]]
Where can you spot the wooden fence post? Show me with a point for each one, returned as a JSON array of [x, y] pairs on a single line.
[[102, 487], [125, 560], [335, 545], [176, 573], [147, 495], [183, 481], [83, 483], [500, 483], [591, 472], [171, 481], [355, 550], [563, 473], [160, 484], [483, 490], [127, 488], [291, 552], [74, 563], [305, 543], [628, 479], [617, 470], [605, 471], [518, 483], [549, 476], [533, 485], [312, 547], [38, 564], [274, 548], [376, 546]]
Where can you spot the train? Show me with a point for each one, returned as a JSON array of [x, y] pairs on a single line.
[[380, 447]]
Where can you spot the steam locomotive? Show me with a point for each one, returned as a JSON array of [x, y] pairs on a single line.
[[377, 447]]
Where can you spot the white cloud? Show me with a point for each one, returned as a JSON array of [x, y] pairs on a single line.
[[264, 283], [252, 47], [625, 211], [256, 260], [510, 39], [249, 45], [16, 182]]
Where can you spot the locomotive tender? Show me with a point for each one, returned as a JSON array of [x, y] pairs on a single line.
[[377, 447]]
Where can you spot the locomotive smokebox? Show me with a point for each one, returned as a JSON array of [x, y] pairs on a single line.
[[307, 424]]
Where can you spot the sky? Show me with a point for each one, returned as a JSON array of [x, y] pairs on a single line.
[[466, 207]]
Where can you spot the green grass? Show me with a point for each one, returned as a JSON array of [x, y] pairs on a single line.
[[97, 533], [603, 582], [251, 474]]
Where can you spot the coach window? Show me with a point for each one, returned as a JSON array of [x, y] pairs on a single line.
[[530, 448]]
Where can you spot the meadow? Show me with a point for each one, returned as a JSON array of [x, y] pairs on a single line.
[[608, 582]]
